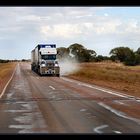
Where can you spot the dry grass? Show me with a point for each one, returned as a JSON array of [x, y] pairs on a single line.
[[6, 70], [111, 75]]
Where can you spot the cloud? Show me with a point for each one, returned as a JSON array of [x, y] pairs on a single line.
[[105, 14], [107, 27], [129, 27], [93, 27], [33, 18], [72, 30], [61, 30]]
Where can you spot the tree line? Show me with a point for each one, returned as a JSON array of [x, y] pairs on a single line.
[[6, 61], [82, 54]]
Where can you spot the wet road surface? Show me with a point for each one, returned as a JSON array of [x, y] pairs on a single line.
[[34, 104]]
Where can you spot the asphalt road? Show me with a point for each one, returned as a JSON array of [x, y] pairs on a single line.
[[34, 104]]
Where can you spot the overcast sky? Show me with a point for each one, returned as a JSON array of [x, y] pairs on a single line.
[[97, 28]]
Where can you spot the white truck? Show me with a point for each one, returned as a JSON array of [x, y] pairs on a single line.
[[44, 61]]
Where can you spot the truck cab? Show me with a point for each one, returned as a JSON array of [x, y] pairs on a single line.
[[44, 60]]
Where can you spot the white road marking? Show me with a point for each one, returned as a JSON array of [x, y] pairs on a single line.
[[119, 113], [118, 132], [83, 109], [101, 89], [52, 96], [88, 113], [98, 129], [138, 100], [105, 90], [52, 87], [27, 106], [121, 103], [8, 83], [21, 126], [37, 77], [16, 111]]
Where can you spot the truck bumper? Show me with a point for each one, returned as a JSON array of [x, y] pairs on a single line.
[[49, 71]]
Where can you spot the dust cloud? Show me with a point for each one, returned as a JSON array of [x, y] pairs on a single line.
[[68, 66]]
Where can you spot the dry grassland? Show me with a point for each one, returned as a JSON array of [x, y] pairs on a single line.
[[6, 70], [112, 75]]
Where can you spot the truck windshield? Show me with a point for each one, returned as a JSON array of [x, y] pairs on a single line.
[[48, 57]]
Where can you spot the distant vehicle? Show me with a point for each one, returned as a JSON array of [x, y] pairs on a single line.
[[43, 60]]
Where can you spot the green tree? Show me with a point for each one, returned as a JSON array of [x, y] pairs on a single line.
[[126, 55], [120, 53], [138, 51], [81, 53], [130, 59], [137, 56], [4, 61], [99, 58]]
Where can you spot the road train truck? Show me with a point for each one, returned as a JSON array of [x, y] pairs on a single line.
[[44, 60]]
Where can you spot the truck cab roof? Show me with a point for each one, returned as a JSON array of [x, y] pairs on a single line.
[[46, 45]]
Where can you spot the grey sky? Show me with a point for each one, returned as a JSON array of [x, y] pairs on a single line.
[[97, 28]]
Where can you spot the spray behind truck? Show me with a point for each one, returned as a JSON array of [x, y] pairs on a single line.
[[44, 61]]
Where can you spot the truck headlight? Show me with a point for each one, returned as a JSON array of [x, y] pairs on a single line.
[[56, 65], [43, 65]]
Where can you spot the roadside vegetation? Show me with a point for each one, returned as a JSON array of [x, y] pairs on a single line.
[[119, 54], [111, 75], [6, 70], [120, 70]]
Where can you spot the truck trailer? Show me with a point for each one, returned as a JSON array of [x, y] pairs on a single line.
[[44, 60]]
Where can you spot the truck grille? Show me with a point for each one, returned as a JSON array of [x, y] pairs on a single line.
[[50, 64]]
